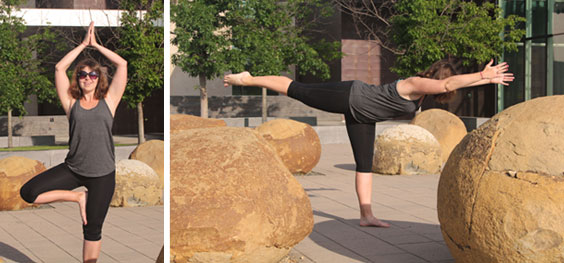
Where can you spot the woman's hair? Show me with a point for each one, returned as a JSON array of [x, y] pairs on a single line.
[[101, 88], [441, 69]]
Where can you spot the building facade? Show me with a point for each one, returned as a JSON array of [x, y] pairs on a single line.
[[539, 64]]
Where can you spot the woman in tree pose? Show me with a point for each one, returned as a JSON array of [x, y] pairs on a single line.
[[363, 105], [90, 104]]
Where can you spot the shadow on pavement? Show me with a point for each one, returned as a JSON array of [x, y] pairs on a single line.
[[310, 194], [346, 166], [12, 254], [333, 230]]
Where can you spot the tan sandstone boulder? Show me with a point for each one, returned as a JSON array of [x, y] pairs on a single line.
[[152, 153], [406, 149], [182, 122], [232, 199], [296, 143], [447, 128], [137, 184], [501, 193], [15, 171]]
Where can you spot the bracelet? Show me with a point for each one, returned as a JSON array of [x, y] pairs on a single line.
[[481, 75]]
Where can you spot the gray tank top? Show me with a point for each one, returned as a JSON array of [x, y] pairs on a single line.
[[371, 103], [91, 145]]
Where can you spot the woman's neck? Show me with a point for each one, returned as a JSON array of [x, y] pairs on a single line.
[[88, 97]]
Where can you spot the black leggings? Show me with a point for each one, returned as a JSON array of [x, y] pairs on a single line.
[[60, 177], [334, 97]]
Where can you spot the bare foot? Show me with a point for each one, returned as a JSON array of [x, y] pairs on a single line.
[[236, 79], [374, 222], [82, 197]]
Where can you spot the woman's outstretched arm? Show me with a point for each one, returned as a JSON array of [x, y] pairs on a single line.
[[62, 83], [490, 74], [119, 80]]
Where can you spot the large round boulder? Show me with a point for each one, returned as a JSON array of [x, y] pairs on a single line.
[[137, 184], [406, 149], [232, 198], [15, 171], [182, 122], [152, 153], [296, 143], [501, 193], [447, 128]]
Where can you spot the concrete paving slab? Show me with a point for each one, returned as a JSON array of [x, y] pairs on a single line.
[[408, 203], [53, 233]]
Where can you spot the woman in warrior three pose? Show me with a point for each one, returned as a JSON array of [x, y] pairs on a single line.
[[90, 104], [364, 105]]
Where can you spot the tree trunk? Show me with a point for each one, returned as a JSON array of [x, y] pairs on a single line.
[[264, 110], [10, 145], [140, 123], [203, 97]]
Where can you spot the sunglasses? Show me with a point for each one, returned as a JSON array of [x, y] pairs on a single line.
[[82, 75]]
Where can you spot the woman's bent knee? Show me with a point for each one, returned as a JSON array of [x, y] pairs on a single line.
[[28, 194]]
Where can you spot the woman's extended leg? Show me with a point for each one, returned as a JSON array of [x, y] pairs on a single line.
[[54, 185], [331, 97], [362, 137]]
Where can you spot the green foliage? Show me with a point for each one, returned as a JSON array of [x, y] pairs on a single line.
[[430, 30], [266, 38], [201, 37], [141, 43], [260, 36], [21, 74]]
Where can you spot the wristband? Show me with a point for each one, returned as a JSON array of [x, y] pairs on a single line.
[[481, 75]]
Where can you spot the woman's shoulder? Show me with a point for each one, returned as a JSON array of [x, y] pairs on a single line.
[[406, 87]]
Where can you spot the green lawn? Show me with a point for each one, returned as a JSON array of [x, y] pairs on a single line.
[[45, 148]]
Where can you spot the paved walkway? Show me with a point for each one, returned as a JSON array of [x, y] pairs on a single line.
[[408, 203], [53, 233]]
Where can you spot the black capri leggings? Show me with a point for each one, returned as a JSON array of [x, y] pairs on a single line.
[[334, 97], [100, 192]]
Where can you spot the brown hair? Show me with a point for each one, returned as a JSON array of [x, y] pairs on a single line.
[[101, 88], [441, 69]]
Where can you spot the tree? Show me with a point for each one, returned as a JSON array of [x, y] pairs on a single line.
[[20, 74], [264, 37], [141, 43], [201, 35], [269, 35], [421, 32]]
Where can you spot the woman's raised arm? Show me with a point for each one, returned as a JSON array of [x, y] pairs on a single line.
[[62, 83], [119, 80], [491, 74]]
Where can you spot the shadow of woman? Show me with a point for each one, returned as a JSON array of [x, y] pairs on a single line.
[[346, 166], [367, 244], [12, 254]]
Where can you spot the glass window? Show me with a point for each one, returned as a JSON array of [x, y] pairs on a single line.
[[515, 92], [538, 70], [558, 70], [539, 21]]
